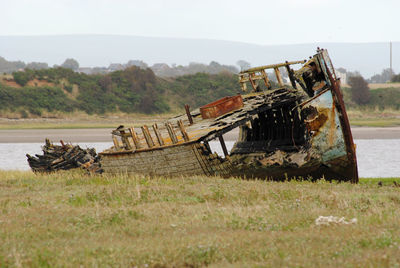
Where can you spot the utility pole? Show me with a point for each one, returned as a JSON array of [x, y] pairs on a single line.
[[391, 66]]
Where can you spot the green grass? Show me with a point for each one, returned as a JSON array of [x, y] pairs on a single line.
[[375, 122], [69, 219]]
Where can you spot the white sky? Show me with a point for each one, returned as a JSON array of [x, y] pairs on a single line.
[[252, 21]]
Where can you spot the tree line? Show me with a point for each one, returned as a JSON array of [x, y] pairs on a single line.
[[132, 90]]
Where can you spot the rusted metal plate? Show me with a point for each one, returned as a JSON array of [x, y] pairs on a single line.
[[221, 106]]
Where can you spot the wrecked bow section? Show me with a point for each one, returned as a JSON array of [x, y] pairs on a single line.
[[298, 128]]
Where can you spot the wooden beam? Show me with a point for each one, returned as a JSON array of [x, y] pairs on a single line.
[[291, 77], [135, 138], [183, 130], [171, 133], [189, 115], [158, 135], [221, 140], [272, 66], [147, 136], [253, 84], [125, 140], [266, 80], [279, 77], [116, 143]]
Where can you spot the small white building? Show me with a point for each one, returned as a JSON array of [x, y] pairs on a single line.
[[342, 76]]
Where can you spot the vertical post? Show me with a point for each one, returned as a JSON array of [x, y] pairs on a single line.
[[116, 143], [183, 131], [187, 108], [125, 140], [135, 138], [391, 66], [290, 74], [171, 133], [253, 84], [265, 78], [147, 136], [221, 140], [278, 76], [158, 135]]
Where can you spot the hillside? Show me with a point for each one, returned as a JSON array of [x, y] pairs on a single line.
[[32, 93], [132, 90], [101, 50]]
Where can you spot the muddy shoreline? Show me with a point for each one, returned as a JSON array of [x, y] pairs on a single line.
[[103, 134]]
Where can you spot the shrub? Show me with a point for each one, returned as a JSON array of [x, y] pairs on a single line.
[[359, 90]]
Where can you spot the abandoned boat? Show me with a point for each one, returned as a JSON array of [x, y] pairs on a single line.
[[298, 129]]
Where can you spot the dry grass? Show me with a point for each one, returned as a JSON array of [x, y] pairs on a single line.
[[374, 117], [68, 219], [78, 120]]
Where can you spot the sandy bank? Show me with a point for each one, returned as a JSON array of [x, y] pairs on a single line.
[[103, 134]]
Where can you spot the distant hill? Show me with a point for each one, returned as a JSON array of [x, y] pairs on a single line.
[[32, 93], [101, 50]]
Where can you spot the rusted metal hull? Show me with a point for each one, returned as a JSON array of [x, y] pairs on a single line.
[[284, 133]]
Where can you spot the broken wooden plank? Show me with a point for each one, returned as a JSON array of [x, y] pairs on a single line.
[[125, 141], [221, 140], [135, 138], [278, 76], [116, 143], [147, 136], [183, 130], [158, 135], [187, 109], [171, 133]]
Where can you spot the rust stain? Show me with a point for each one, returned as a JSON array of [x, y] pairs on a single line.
[[332, 129], [315, 121]]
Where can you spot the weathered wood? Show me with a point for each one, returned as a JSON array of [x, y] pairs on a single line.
[[125, 141], [221, 140], [187, 109], [253, 84], [278, 76], [147, 136], [266, 79], [158, 135], [171, 133], [135, 138], [291, 76], [272, 66], [116, 143], [183, 131], [64, 157]]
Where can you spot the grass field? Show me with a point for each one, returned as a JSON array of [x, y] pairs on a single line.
[[69, 219]]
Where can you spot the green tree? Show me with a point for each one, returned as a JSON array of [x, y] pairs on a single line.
[[244, 65], [360, 93], [70, 64]]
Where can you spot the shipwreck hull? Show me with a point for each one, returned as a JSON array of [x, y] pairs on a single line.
[[283, 133], [172, 161]]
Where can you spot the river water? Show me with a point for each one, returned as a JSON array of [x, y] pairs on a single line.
[[376, 158]]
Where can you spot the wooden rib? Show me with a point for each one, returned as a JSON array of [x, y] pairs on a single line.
[[253, 84], [158, 135], [279, 77], [147, 136], [116, 143], [135, 138], [125, 141], [221, 140], [187, 109], [183, 130], [265, 78], [290, 74], [171, 133]]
